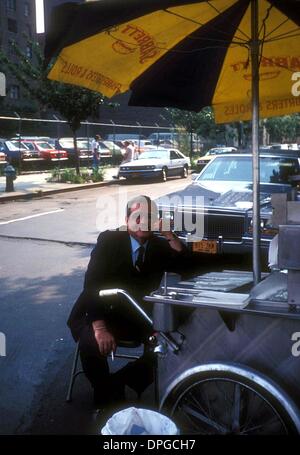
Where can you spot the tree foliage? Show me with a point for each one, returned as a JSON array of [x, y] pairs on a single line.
[[201, 123], [284, 129], [73, 103], [280, 129]]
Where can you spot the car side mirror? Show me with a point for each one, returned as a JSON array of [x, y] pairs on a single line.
[[2, 149]]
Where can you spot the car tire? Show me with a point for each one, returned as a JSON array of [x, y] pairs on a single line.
[[185, 172], [164, 174]]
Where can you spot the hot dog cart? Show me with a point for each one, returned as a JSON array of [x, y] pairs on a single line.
[[229, 357]]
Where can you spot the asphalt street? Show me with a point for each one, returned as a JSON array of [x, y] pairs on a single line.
[[45, 246]]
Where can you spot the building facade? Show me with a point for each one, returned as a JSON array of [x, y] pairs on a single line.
[[17, 24]]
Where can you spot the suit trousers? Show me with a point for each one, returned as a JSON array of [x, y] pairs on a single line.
[[138, 374]]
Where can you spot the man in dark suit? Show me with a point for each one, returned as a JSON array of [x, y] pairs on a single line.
[[134, 260]]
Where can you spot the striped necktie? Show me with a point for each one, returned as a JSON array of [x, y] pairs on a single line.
[[140, 259]]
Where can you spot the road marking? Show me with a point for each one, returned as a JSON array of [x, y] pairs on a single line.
[[31, 216]]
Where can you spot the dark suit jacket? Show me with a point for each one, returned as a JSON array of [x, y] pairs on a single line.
[[111, 266]]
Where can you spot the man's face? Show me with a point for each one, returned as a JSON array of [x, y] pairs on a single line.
[[142, 221]]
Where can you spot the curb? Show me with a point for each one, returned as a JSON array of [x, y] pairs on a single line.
[[40, 193]]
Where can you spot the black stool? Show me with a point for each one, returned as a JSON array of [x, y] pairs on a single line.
[[76, 372]]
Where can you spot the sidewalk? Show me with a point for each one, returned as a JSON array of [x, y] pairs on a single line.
[[36, 185]]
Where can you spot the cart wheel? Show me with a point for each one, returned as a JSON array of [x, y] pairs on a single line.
[[228, 399]]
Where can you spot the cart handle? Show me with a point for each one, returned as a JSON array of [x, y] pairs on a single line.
[[116, 291]]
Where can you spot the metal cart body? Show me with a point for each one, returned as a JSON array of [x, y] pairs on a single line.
[[257, 341]]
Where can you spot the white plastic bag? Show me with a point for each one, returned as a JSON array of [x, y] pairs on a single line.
[[136, 421]]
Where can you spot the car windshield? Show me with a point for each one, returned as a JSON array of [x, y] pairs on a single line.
[[44, 145], [155, 155], [13, 146], [103, 146], [28, 145], [234, 169], [66, 143], [82, 145], [111, 145]]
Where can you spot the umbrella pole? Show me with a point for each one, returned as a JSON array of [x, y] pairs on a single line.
[[255, 141]]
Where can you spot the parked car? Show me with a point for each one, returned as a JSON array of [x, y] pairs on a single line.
[[67, 144], [105, 151], [115, 149], [14, 151], [45, 150], [3, 159], [204, 160], [86, 142], [167, 144], [158, 163], [284, 147], [143, 145], [124, 137], [157, 138], [30, 138], [220, 201]]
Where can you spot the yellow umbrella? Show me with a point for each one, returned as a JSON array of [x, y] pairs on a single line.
[[239, 56]]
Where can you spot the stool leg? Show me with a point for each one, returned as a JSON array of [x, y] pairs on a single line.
[[73, 375], [156, 390]]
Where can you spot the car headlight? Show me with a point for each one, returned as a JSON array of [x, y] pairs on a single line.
[[262, 223]]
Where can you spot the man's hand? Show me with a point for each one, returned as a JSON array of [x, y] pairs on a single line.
[[105, 340], [174, 241]]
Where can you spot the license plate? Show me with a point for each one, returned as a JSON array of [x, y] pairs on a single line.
[[205, 246]]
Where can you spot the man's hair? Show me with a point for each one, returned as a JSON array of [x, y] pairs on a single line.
[[97, 136], [152, 207]]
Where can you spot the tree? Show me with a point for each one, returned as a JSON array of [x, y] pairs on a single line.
[[74, 103], [283, 129], [202, 123], [184, 119]]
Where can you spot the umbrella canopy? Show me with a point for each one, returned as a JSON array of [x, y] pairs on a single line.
[[184, 54], [235, 55]]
